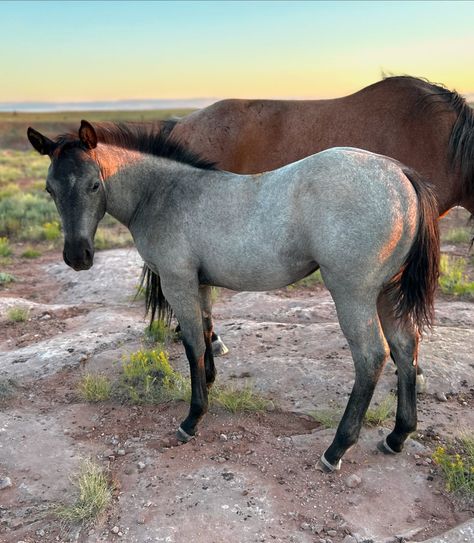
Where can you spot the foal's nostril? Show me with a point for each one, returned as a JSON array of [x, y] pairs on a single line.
[[88, 254]]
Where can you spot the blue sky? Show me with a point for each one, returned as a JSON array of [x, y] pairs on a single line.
[[117, 50]]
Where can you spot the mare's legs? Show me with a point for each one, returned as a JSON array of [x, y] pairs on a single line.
[[357, 313], [385, 311], [403, 342], [206, 308], [183, 295]]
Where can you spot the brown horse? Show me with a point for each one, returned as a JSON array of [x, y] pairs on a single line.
[[425, 126]]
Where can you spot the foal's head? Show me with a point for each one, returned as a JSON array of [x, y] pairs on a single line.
[[75, 183]]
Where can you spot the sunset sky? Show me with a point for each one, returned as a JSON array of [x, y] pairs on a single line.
[[77, 51]]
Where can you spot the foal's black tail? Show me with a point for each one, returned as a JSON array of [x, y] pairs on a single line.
[[155, 301], [413, 289]]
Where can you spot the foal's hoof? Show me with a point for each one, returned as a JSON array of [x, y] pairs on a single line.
[[218, 347], [420, 383], [326, 467], [183, 436], [384, 447]]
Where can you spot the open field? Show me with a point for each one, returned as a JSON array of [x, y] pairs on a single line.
[[87, 448]]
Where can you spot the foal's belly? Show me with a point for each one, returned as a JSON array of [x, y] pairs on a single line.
[[241, 275]]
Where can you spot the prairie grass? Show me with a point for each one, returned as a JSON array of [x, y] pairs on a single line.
[[5, 249], [457, 465], [457, 235], [31, 253], [111, 238], [95, 495], [377, 415], [18, 314], [235, 399], [159, 332], [95, 388], [328, 418], [453, 279]]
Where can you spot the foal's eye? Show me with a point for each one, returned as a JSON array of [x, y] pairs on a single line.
[[49, 191], [95, 186]]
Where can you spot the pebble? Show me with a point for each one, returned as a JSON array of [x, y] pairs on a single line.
[[5, 482], [441, 396], [107, 453], [121, 452], [141, 519], [353, 481], [115, 530], [349, 539], [223, 437], [332, 533], [141, 465]]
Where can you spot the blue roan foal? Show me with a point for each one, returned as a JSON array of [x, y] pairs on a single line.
[[364, 219]]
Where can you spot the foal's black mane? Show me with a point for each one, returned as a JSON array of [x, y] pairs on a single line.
[[436, 97], [142, 137]]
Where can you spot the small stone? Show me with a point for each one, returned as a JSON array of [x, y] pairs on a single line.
[[115, 530], [223, 437], [141, 466], [141, 519], [5, 482], [441, 396], [40, 532], [107, 453], [121, 452], [331, 533], [353, 481], [349, 539]]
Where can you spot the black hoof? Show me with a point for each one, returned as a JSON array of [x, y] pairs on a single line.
[[385, 448], [183, 436], [326, 467]]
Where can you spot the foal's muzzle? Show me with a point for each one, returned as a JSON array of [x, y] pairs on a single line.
[[79, 254]]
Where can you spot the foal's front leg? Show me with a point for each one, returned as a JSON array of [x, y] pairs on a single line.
[[184, 298]]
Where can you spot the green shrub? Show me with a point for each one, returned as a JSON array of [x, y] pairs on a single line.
[[23, 215], [328, 418], [457, 464], [18, 314], [95, 388], [5, 249], [453, 279], [148, 378], [457, 235], [51, 231], [6, 278]]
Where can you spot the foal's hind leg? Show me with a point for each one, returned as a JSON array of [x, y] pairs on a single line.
[[403, 342], [360, 324], [206, 308]]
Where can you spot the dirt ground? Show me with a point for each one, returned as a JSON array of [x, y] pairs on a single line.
[[247, 477]]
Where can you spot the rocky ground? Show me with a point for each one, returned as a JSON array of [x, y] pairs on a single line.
[[246, 478]]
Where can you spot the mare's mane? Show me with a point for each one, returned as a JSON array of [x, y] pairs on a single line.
[[433, 98]]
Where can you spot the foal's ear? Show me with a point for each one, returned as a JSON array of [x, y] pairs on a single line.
[[87, 135], [41, 143]]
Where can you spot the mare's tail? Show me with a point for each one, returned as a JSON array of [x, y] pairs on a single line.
[[155, 301], [413, 289]]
